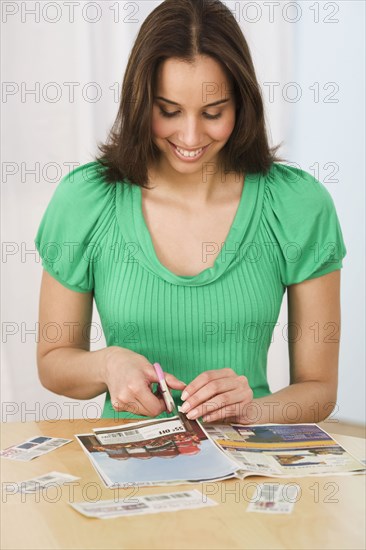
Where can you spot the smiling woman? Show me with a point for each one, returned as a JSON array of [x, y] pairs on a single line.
[[192, 134], [187, 231], [175, 73]]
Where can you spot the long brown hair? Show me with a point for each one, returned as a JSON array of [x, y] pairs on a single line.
[[184, 29]]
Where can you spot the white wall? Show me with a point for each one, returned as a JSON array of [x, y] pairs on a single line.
[[324, 132], [56, 133]]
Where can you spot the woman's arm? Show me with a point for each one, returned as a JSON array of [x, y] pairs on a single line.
[[314, 327], [314, 331], [65, 364], [67, 367]]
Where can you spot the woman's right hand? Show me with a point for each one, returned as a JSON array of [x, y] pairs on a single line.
[[129, 377]]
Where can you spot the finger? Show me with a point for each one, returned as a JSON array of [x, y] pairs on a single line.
[[230, 401], [232, 411], [174, 382], [150, 374], [153, 404], [159, 396], [204, 378], [143, 402], [210, 390], [171, 380], [227, 413], [133, 406]]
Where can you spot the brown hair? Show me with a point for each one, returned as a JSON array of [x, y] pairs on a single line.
[[183, 30]]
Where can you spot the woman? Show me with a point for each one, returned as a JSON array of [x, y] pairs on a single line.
[[187, 231]]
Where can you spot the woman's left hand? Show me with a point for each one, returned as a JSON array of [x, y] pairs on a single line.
[[217, 395]]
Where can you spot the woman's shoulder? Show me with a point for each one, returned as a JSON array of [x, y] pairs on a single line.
[[299, 215], [85, 181], [82, 196], [76, 219], [290, 186]]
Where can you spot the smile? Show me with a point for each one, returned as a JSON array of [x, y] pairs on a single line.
[[188, 155]]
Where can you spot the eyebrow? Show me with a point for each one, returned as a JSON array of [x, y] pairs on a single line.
[[209, 105]]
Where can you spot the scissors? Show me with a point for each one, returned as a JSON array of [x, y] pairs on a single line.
[[169, 401]]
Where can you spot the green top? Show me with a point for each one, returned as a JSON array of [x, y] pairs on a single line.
[[93, 237]]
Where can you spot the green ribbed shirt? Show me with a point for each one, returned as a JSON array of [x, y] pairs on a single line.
[[93, 237]]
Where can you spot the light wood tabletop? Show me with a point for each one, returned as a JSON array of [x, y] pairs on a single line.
[[330, 512]]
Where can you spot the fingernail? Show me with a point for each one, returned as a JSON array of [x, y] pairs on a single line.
[[192, 414], [184, 395], [185, 407]]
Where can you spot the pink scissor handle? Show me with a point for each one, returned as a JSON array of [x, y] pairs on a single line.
[[159, 371], [169, 402]]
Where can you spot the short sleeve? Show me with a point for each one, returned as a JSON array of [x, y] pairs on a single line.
[[71, 229], [303, 225]]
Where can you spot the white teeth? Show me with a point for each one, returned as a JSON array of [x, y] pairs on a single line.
[[189, 153]]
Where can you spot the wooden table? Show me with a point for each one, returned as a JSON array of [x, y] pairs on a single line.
[[329, 514]]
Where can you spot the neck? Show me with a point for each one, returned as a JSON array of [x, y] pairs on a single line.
[[201, 187]]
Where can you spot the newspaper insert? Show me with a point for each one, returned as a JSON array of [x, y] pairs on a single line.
[[176, 450], [169, 451], [284, 450]]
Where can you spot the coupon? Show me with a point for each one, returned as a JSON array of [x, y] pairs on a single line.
[[31, 448], [38, 483], [274, 498], [131, 435], [166, 502]]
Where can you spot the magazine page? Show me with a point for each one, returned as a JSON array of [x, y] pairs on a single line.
[[156, 452], [284, 450]]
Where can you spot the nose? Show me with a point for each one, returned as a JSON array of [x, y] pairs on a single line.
[[190, 133]]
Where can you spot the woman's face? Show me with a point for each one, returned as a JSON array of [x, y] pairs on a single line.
[[188, 129]]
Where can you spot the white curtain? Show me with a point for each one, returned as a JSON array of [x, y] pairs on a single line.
[[47, 131]]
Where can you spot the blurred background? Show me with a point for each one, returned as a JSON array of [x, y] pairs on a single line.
[[62, 69]]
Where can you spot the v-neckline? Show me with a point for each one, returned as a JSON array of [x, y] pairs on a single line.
[[238, 228]]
